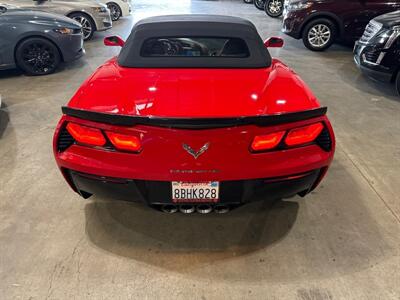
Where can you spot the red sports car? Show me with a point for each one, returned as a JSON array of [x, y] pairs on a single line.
[[194, 115]]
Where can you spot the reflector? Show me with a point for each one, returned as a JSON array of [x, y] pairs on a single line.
[[86, 135], [268, 141], [124, 142], [303, 135]]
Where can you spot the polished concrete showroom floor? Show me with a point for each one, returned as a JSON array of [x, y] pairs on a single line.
[[340, 242]]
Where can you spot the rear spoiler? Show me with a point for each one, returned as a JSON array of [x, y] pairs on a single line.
[[193, 123]]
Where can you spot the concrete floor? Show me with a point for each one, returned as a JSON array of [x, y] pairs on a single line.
[[341, 242]]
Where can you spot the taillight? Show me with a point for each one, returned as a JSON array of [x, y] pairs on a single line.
[[267, 142], [124, 142], [86, 135], [303, 135]]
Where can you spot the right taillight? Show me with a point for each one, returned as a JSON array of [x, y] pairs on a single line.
[[303, 135], [86, 135]]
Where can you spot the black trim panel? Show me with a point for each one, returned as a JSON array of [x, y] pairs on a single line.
[[193, 123], [159, 192]]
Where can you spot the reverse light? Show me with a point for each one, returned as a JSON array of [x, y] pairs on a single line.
[[267, 142], [303, 135], [86, 135], [124, 142]]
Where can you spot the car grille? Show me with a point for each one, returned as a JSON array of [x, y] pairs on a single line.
[[371, 56], [324, 140], [64, 140], [372, 29]]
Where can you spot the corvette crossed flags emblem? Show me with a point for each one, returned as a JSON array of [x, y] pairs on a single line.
[[195, 153]]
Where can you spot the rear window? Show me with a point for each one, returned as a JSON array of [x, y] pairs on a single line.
[[194, 47]]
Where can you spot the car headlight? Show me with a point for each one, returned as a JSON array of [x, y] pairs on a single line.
[[64, 30], [298, 5], [387, 37], [100, 9]]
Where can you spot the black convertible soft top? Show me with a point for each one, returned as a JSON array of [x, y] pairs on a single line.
[[194, 26]]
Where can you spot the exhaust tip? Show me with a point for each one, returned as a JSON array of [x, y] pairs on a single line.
[[204, 209], [187, 209], [169, 208], [221, 209]]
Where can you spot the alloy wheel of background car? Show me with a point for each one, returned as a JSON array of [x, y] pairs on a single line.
[[318, 35], [88, 25], [248, 1], [115, 11], [273, 8], [259, 4], [37, 56]]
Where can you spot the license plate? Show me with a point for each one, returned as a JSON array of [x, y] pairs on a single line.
[[195, 191]]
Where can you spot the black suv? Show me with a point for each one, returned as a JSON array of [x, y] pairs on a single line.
[[377, 53], [320, 22]]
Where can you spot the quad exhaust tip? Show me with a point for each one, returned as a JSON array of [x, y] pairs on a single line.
[[221, 209], [204, 209], [187, 209], [169, 208]]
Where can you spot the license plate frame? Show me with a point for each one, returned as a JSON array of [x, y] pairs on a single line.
[[195, 192]]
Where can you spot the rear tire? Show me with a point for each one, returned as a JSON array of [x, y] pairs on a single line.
[[397, 83], [259, 4], [88, 25], [273, 8], [37, 56], [319, 34]]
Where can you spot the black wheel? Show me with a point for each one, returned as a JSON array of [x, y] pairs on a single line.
[[273, 8], [248, 1], [88, 25], [397, 82], [259, 4], [37, 56], [115, 11], [319, 35]]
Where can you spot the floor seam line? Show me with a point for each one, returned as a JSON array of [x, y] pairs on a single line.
[[372, 187]]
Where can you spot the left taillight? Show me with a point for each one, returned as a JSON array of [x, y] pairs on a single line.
[[90, 136], [86, 135]]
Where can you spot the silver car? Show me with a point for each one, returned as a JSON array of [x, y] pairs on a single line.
[[92, 15], [37, 42]]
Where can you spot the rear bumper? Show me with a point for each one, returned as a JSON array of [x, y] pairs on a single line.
[[159, 192], [146, 176]]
